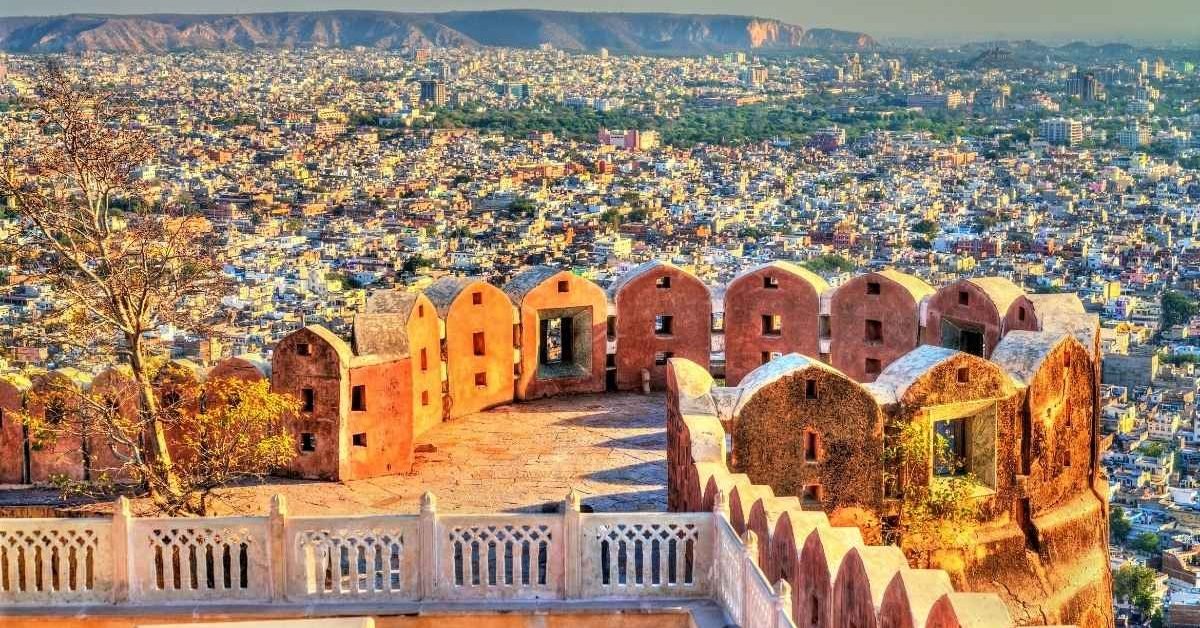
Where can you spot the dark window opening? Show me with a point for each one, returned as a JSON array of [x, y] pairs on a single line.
[[477, 343], [612, 327], [718, 322], [564, 286], [308, 441], [811, 493], [771, 282], [481, 379], [772, 324], [303, 348], [950, 447], [420, 311], [873, 287], [872, 366], [663, 324], [424, 397], [810, 389], [1021, 313], [557, 340], [873, 331], [476, 298], [971, 342], [661, 357], [963, 375], [814, 615], [663, 282], [823, 328], [812, 446], [308, 399], [424, 359], [359, 439], [358, 398], [766, 357], [964, 297]]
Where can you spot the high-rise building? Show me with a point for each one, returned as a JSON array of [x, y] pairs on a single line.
[[433, 93], [1086, 87], [1061, 131], [1134, 136], [756, 76]]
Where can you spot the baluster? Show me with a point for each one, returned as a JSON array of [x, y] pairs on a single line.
[[573, 558], [278, 558], [429, 544], [783, 602]]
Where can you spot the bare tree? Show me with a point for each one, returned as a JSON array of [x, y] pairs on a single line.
[[122, 270]]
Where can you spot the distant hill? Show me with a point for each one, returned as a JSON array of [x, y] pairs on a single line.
[[654, 33]]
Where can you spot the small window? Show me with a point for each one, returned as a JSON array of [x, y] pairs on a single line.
[[1, 418], [810, 389], [308, 442], [481, 379], [476, 298], [873, 331], [770, 282], [873, 287], [812, 493], [772, 324], [963, 375], [812, 446], [308, 399], [612, 327], [1066, 458], [718, 322], [564, 286], [663, 324], [872, 366], [358, 398], [424, 397], [424, 359], [477, 343], [303, 348], [766, 357], [964, 297], [663, 282], [359, 439], [661, 357], [420, 311], [1021, 313]]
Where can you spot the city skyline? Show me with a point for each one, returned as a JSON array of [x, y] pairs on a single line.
[[927, 20]]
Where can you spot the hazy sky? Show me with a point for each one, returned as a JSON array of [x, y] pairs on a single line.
[[1177, 20]]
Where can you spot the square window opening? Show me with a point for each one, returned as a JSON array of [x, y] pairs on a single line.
[[359, 439], [964, 297], [564, 286], [303, 349], [772, 324], [477, 345], [872, 366], [663, 283], [770, 282], [664, 324], [308, 442], [873, 331], [660, 358], [481, 380], [476, 298], [963, 375], [873, 287]]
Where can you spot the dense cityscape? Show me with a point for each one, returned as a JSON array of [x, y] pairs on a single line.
[[320, 177]]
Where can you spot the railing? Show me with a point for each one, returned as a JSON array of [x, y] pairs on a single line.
[[407, 559]]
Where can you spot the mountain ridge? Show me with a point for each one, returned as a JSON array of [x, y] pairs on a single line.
[[631, 32]]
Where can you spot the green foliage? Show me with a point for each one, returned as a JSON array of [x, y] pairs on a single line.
[[523, 206], [1154, 450], [1118, 525], [829, 263], [412, 264], [1177, 308], [1135, 584], [1147, 542], [927, 228]]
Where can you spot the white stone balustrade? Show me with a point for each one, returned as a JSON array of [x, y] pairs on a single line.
[[403, 559]]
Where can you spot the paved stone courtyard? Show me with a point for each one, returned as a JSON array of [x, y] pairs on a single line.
[[516, 458]]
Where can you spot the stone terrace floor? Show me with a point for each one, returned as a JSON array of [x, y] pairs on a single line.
[[513, 458]]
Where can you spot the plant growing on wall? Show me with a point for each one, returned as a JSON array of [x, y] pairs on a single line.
[[226, 430], [934, 513]]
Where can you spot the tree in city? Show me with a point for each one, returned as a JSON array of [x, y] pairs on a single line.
[[1134, 585], [1118, 524], [1177, 308], [1145, 542], [120, 274]]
